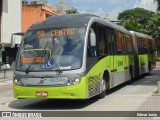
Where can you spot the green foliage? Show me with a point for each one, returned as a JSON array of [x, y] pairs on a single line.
[[153, 26], [137, 13], [131, 25], [71, 11], [141, 20]]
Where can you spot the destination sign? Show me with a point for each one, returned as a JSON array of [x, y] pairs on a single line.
[[57, 33], [30, 60]]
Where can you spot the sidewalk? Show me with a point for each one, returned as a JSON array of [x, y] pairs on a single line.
[[8, 77]]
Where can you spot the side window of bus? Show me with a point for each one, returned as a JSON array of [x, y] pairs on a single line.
[[143, 46], [102, 42], [124, 43], [129, 44], [119, 43], [146, 46], [140, 45], [114, 41], [152, 47], [92, 52], [111, 41]]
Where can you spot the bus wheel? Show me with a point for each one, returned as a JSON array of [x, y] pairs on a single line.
[[103, 89]]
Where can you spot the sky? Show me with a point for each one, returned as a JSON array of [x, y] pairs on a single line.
[[109, 8]]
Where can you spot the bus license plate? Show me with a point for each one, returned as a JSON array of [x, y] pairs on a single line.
[[44, 94]]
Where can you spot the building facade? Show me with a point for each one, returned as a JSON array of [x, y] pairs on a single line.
[[34, 12], [10, 22]]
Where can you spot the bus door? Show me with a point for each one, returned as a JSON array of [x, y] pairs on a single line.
[[105, 47], [121, 59], [125, 57]]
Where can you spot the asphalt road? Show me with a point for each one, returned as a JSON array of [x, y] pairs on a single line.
[[140, 95]]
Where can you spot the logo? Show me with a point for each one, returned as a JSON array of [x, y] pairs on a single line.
[[120, 63], [6, 114], [49, 64], [42, 81], [21, 114]]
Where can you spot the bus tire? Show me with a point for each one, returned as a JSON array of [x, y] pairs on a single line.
[[103, 89]]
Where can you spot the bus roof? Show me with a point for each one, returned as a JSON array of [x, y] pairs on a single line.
[[64, 20], [141, 35], [76, 20]]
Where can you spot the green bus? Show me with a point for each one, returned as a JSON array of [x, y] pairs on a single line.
[[74, 57], [144, 53]]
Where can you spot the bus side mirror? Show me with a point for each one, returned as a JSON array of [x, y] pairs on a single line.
[[13, 36], [12, 41]]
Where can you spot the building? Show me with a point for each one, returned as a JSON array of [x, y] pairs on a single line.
[[34, 12], [62, 6], [10, 22]]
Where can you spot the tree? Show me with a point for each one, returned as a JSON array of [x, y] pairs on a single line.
[[131, 25], [153, 28], [136, 19], [71, 11], [158, 4], [139, 14]]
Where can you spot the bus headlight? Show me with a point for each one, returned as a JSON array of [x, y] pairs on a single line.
[[74, 81], [17, 82]]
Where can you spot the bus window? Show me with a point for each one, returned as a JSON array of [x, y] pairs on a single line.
[[124, 43], [129, 44], [111, 42], [119, 43], [114, 42], [151, 46], [92, 44], [140, 45], [102, 43], [146, 45]]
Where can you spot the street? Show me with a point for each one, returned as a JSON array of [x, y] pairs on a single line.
[[140, 95]]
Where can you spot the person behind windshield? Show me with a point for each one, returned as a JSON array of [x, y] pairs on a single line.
[[58, 44], [75, 49]]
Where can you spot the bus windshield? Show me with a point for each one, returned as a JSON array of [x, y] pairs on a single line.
[[45, 49]]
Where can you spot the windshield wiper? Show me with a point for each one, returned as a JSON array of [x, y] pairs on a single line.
[[56, 65], [29, 66], [44, 53], [54, 62]]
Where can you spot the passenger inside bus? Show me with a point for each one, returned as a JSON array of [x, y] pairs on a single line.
[[72, 53], [58, 44]]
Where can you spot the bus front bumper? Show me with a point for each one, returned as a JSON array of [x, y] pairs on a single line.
[[78, 91]]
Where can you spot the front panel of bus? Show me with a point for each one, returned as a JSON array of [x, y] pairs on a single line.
[[49, 64]]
